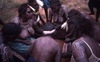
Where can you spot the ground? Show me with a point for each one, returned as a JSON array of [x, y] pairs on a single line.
[[8, 13]]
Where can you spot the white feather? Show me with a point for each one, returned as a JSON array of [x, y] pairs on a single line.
[[65, 26], [49, 32], [38, 19], [31, 8], [40, 3]]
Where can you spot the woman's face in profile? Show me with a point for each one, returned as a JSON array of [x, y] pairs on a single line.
[[29, 13]]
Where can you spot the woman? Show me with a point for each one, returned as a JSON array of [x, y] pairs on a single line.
[[28, 21], [13, 50], [57, 19], [38, 6], [84, 47], [59, 12], [75, 12]]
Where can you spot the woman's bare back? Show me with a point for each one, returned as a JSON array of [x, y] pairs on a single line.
[[46, 49]]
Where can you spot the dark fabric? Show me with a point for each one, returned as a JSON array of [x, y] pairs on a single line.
[[46, 4], [48, 26], [1, 57], [94, 3], [15, 59], [31, 59]]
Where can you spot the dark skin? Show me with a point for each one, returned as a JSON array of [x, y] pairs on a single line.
[[80, 50], [57, 17], [59, 13], [46, 49], [36, 6], [46, 8], [25, 18], [76, 12], [31, 28], [78, 43], [10, 36]]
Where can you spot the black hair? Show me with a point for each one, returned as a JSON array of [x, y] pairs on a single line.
[[55, 5], [82, 26], [73, 12], [22, 9], [31, 1], [48, 26], [11, 29]]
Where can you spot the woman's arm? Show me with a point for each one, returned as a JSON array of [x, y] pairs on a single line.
[[37, 29], [79, 52]]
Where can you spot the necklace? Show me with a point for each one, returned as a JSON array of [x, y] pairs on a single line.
[[26, 24]]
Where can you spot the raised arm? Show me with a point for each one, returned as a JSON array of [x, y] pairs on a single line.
[[37, 29]]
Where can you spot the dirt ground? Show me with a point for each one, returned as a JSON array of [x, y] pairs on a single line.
[[79, 4], [20, 1]]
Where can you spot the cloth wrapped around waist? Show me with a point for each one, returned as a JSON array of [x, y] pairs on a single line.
[[19, 46]]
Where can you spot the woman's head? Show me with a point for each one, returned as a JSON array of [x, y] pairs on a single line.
[[55, 6], [25, 11], [73, 12], [11, 31], [79, 26]]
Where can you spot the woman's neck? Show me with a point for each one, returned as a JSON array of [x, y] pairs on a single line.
[[24, 20]]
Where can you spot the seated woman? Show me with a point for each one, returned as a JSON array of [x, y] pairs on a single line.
[[59, 12], [44, 5], [57, 18], [75, 12], [27, 21], [84, 47], [13, 50], [36, 6]]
